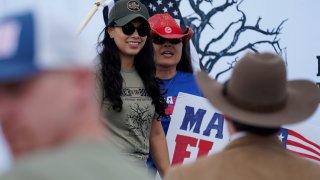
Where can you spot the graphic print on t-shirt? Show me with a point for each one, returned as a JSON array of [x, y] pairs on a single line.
[[139, 116], [139, 122], [134, 92], [171, 101]]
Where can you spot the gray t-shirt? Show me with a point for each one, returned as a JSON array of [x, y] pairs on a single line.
[[131, 127]]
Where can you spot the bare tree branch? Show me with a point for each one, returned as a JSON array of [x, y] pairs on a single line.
[[231, 65], [138, 120], [205, 17], [213, 40], [213, 57]]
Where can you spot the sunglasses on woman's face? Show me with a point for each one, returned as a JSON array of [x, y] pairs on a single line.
[[160, 40], [129, 29]]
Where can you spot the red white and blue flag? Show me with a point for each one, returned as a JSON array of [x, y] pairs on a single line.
[[165, 6], [300, 144], [158, 6]]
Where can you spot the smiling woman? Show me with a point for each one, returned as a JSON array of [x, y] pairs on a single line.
[[128, 40], [128, 89]]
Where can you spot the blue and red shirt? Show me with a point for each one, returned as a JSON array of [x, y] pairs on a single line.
[[181, 82]]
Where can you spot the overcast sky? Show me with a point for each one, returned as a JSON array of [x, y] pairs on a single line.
[[76, 10]]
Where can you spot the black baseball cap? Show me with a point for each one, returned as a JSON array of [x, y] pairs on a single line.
[[125, 11]]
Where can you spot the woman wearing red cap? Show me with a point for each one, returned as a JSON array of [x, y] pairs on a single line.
[[173, 62], [131, 98]]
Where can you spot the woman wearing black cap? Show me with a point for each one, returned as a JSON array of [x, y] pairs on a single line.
[[130, 95]]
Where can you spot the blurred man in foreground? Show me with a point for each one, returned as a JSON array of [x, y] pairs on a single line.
[[256, 101], [48, 111]]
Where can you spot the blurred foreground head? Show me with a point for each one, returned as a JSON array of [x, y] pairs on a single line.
[[46, 80]]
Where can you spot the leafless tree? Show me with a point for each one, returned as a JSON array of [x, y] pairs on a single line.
[[209, 57], [138, 121]]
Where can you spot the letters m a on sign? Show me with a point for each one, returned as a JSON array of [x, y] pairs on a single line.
[[196, 129], [194, 121]]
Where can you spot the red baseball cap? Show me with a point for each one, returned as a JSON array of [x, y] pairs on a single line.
[[164, 25]]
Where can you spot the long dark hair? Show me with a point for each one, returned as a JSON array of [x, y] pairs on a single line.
[[112, 79], [185, 64]]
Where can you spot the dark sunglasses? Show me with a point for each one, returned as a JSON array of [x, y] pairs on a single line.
[[129, 29], [160, 40]]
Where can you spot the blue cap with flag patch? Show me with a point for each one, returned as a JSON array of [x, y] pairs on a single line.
[[33, 41]]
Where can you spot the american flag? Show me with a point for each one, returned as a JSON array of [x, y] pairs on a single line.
[[158, 6], [165, 6], [299, 144]]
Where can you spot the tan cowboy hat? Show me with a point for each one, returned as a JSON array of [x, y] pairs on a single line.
[[259, 94]]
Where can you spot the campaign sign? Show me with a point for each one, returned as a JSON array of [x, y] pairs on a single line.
[[196, 129]]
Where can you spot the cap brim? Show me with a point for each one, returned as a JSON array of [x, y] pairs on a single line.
[[11, 71], [125, 20], [302, 101], [187, 35]]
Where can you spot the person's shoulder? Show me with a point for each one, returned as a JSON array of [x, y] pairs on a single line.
[[186, 77], [199, 169], [306, 165], [79, 161], [187, 83], [15, 174]]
